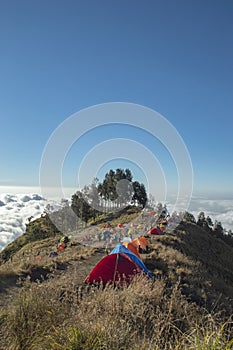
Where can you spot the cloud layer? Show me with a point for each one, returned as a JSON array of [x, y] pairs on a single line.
[[217, 209], [15, 209], [14, 213]]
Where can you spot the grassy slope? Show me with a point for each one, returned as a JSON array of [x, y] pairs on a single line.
[[189, 258], [201, 263]]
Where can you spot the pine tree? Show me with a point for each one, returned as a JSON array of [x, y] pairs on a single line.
[[189, 217], [218, 229], [209, 221], [139, 196]]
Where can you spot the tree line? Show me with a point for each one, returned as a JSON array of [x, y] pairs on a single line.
[[206, 223]]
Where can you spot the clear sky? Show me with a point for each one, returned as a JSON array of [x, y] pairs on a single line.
[[59, 57]]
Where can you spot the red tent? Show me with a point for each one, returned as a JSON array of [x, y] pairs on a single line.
[[115, 268], [155, 231]]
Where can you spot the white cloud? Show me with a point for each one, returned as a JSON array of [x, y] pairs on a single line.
[[15, 209], [217, 209]]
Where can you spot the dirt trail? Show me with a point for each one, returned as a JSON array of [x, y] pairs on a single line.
[[78, 269], [75, 270], [8, 289]]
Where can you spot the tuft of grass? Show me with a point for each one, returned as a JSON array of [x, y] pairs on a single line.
[[209, 335]]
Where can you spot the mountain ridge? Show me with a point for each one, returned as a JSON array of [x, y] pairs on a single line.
[[193, 284], [186, 251]]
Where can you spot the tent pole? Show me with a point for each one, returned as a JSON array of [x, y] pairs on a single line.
[[114, 276]]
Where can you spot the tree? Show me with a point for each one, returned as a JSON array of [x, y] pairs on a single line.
[[128, 175], [91, 195], [80, 206], [117, 188], [204, 222], [139, 196], [218, 229], [209, 221], [189, 217], [151, 203], [201, 219], [103, 193], [108, 188]]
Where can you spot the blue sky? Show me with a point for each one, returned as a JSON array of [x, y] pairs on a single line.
[[59, 57]]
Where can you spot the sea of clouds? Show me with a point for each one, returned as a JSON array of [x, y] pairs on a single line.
[[15, 209], [218, 209]]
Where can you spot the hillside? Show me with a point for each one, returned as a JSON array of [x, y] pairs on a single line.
[[201, 263], [188, 261]]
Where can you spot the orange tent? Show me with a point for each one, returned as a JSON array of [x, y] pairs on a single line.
[[136, 242], [140, 243], [144, 242], [132, 248]]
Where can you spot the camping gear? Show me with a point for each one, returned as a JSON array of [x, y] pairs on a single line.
[[144, 243], [113, 269], [126, 239], [155, 231], [61, 247], [141, 244], [53, 254], [106, 234], [132, 247], [64, 239], [120, 248], [117, 268]]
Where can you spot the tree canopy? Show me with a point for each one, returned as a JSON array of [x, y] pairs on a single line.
[[115, 191]]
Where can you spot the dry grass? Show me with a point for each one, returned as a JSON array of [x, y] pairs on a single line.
[[202, 263], [146, 315], [188, 305]]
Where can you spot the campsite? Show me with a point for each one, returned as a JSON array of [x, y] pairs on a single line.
[[175, 292]]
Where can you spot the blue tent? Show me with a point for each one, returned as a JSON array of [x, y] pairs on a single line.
[[122, 249]]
